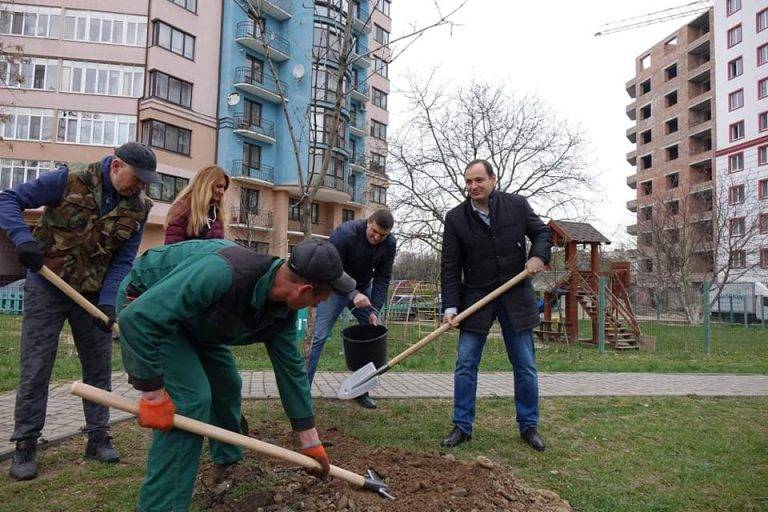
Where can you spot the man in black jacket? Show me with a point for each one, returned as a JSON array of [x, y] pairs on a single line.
[[484, 246]]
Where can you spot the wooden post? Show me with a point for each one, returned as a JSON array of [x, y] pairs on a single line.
[[571, 300], [594, 266]]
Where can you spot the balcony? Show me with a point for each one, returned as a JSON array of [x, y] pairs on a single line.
[[632, 181], [260, 130], [357, 125], [360, 56], [360, 92], [377, 169], [632, 134], [631, 88], [632, 229], [632, 205], [357, 161], [279, 9], [632, 158], [632, 111], [700, 187], [258, 84], [360, 19], [332, 182], [263, 41], [264, 174], [251, 218]]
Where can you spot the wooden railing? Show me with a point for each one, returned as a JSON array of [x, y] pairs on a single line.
[[615, 308]]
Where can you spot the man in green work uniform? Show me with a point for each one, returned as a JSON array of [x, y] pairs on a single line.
[[181, 306]]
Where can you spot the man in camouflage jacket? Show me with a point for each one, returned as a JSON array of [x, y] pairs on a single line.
[[89, 234]]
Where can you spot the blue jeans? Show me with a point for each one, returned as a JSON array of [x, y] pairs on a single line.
[[326, 315], [521, 354]]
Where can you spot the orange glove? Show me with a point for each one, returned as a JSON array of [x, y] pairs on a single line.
[[317, 452], [157, 413]]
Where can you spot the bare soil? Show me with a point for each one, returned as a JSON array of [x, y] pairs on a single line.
[[421, 482]]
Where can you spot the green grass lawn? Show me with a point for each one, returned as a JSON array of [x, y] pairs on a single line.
[[735, 349], [604, 454]]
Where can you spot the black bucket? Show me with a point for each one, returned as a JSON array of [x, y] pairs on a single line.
[[365, 344]]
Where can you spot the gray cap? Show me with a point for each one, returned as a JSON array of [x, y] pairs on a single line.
[[141, 158], [319, 260]]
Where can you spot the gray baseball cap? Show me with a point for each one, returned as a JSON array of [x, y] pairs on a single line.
[[141, 158], [319, 260]]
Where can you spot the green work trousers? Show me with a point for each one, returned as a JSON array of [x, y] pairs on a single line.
[[204, 384]]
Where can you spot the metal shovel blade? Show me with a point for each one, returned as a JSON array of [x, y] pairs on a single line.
[[360, 382]]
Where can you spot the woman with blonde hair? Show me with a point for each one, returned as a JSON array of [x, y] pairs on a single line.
[[198, 212]]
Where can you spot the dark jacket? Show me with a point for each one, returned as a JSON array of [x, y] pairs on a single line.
[[177, 228], [364, 261], [477, 258]]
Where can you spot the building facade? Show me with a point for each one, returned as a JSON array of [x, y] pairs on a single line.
[[741, 46], [673, 110], [279, 69]]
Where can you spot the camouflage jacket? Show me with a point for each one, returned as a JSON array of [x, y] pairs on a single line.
[[79, 241]]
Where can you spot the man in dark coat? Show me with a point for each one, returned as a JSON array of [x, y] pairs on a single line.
[[484, 246]]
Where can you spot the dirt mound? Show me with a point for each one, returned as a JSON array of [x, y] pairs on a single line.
[[422, 482]]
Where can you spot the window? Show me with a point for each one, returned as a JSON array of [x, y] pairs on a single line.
[[646, 162], [731, 6], [673, 180], [645, 61], [764, 258], [670, 72], [167, 188], [762, 88], [384, 6], [29, 21], [647, 265], [190, 5], [762, 54], [762, 189], [673, 207], [314, 213], [735, 68], [29, 73], [378, 130], [251, 156], [761, 21], [736, 131], [380, 66], [671, 99], [170, 89], [166, 136], [646, 188], [646, 137], [736, 99], [378, 163], [173, 39], [736, 227], [95, 129], [762, 155], [672, 126], [673, 152], [379, 98], [738, 259], [645, 87], [763, 223], [27, 124], [347, 215], [646, 213], [736, 162], [105, 28], [734, 36], [380, 35], [15, 172], [762, 121], [378, 194], [736, 194], [646, 239], [101, 78], [294, 210], [645, 112]]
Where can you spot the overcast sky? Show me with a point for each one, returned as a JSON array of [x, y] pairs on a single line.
[[547, 48]]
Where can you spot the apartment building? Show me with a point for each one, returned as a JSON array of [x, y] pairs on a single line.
[[741, 45], [272, 62], [91, 80], [673, 107]]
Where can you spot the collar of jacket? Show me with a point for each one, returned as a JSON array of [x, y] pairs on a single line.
[[260, 297], [106, 179], [492, 209]]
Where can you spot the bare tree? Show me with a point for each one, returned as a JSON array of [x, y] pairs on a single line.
[[688, 239], [415, 266], [534, 153]]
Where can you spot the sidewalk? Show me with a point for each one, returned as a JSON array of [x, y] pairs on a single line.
[[65, 412]]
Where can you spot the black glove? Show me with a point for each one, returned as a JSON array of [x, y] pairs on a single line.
[[111, 315], [30, 255]]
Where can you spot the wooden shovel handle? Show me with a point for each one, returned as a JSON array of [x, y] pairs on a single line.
[[73, 294], [107, 398], [458, 318]]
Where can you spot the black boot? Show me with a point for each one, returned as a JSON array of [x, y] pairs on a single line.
[[24, 466], [366, 401], [100, 447], [456, 437], [531, 437], [220, 471]]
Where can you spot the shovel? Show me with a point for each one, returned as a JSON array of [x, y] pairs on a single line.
[[73, 294], [367, 377], [372, 482]]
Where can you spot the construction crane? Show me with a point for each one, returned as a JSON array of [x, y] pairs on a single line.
[[643, 20]]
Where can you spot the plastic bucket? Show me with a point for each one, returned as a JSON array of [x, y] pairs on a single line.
[[365, 344]]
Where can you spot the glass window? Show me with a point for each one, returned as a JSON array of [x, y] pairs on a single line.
[[174, 40], [734, 36], [171, 89]]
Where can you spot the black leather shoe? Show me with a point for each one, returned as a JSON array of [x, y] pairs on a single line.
[[531, 437], [366, 401], [23, 466], [456, 437], [100, 448]]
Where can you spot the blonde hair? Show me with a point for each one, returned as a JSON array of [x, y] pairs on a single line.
[[195, 200]]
